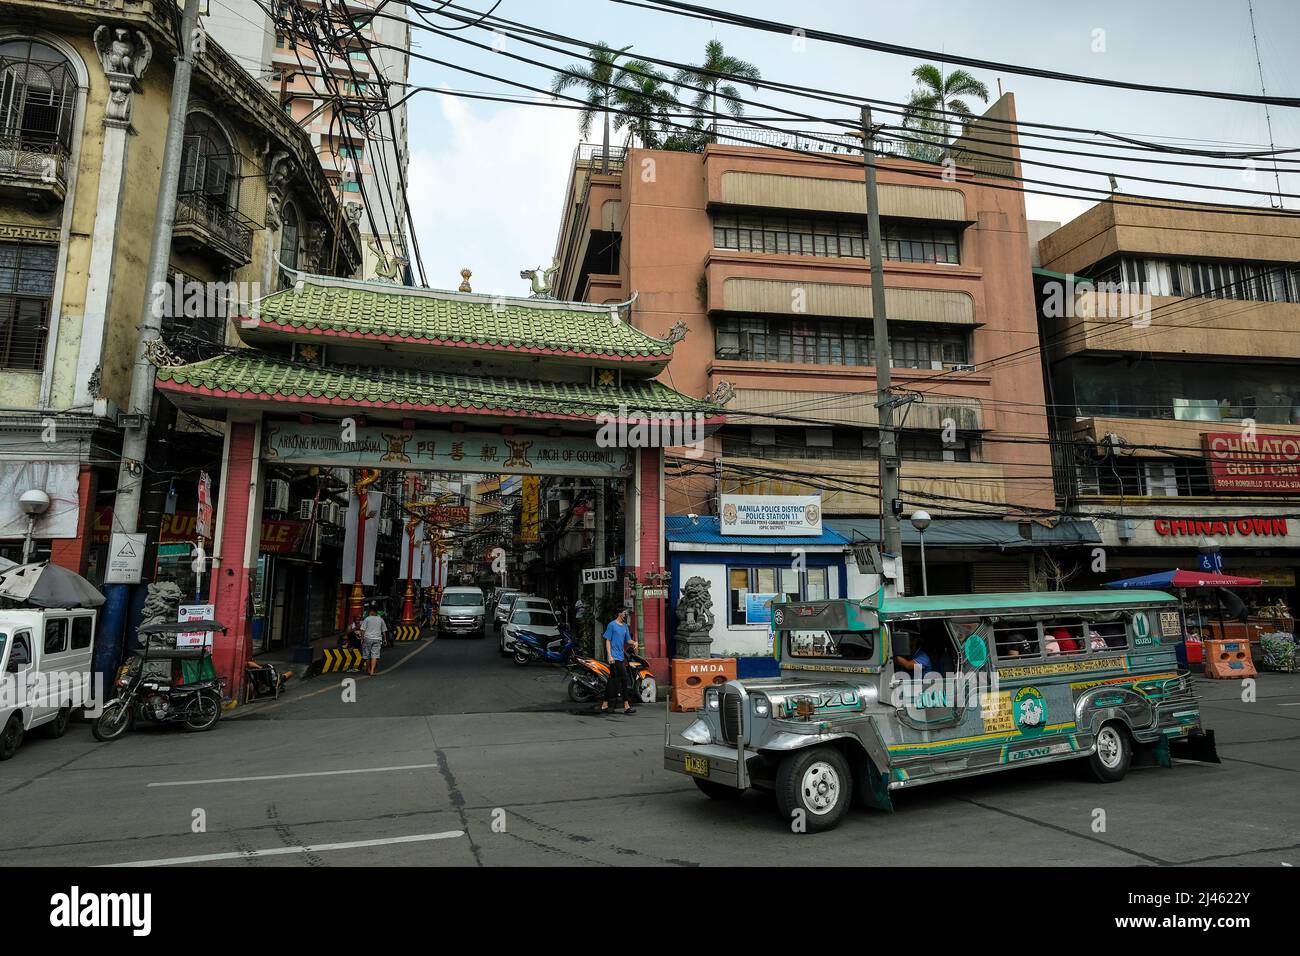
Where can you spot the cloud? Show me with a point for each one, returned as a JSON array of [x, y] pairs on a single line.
[[487, 195]]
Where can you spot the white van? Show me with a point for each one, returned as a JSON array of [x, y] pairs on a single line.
[[462, 611], [45, 660]]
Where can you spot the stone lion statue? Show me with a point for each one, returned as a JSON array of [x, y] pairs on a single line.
[[695, 609], [161, 603]]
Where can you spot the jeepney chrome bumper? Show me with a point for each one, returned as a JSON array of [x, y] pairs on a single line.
[[721, 762]]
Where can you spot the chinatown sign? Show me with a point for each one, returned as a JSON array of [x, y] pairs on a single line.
[[1242, 462], [385, 446], [1243, 527]]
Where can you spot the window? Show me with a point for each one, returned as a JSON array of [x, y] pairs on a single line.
[[56, 636], [837, 342], [21, 655], [26, 295], [1243, 280], [842, 443], [82, 633], [38, 94], [787, 235], [784, 582], [288, 242], [194, 312], [209, 163]]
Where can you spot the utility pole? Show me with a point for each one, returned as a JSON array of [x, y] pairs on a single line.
[[890, 503], [135, 435]]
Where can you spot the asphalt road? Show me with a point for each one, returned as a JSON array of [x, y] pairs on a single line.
[[455, 756]]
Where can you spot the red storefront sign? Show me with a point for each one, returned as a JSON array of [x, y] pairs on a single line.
[[279, 536], [1263, 463], [1224, 527]]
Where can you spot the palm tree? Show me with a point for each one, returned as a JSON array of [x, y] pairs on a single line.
[[643, 100], [936, 97], [709, 82], [598, 78]]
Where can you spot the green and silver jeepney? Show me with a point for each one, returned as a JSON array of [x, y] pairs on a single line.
[[889, 693]]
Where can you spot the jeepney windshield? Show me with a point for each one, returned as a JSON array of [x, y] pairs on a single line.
[[838, 645]]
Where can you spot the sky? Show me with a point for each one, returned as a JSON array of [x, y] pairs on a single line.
[[487, 181]]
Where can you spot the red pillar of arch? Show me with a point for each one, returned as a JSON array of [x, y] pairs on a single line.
[[231, 585], [645, 542]]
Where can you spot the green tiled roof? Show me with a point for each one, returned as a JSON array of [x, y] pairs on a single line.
[[253, 375], [456, 319]]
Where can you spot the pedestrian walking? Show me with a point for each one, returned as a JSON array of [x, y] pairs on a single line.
[[373, 630], [618, 639]]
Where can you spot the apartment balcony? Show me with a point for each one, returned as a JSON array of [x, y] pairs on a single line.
[[36, 168], [214, 230]]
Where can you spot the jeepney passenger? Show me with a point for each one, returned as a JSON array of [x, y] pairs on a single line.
[[1014, 644], [921, 661]]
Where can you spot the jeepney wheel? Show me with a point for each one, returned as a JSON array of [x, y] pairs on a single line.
[[1113, 752], [814, 788], [12, 737], [717, 791]]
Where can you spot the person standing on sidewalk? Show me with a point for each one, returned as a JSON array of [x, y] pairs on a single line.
[[617, 640], [373, 630]]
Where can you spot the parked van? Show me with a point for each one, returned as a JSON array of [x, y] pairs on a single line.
[[45, 658], [462, 610]]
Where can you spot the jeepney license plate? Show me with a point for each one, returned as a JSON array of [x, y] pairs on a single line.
[[696, 765]]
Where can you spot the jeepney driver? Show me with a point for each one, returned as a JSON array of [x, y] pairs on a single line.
[[918, 663]]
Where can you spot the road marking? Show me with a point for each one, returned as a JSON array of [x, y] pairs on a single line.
[[1289, 705], [283, 850], [292, 776]]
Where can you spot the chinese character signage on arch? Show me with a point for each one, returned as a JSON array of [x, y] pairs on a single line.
[[383, 446], [771, 515], [1260, 463]]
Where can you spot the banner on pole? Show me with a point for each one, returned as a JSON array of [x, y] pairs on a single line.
[[373, 500]]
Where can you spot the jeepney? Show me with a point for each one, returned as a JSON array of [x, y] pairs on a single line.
[[889, 693]]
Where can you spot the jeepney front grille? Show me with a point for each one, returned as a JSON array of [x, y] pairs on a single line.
[[732, 716]]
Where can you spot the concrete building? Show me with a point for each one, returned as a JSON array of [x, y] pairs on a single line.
[[364, 154], [1171, 334], [83, 112], [759, 254]]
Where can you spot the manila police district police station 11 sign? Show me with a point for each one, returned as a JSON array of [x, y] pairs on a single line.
[[771, 515], [385, 446]]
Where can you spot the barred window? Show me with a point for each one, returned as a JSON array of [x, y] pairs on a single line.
[[26, 296], [38, 94], [209, 163], [846, 238]]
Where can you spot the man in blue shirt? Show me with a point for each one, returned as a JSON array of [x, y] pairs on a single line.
[[617, 640]]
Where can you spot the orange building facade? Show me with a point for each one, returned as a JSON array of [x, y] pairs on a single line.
[[760, 254]]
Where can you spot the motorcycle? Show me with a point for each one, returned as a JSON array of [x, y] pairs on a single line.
[[528, 647], [156, 684], [588, 678]]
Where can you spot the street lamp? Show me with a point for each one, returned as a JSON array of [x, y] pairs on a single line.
[[33, 503], [920, 521]]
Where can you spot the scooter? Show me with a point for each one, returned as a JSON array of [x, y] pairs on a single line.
[[588, 678], [528, 647]]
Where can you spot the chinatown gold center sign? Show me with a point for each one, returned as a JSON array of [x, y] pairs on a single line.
[[385, 446]]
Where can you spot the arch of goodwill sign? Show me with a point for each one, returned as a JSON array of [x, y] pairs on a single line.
[[384, 446]]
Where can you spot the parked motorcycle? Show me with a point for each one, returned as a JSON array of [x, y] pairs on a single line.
[[589, 677], [165, 683], [527, 647]]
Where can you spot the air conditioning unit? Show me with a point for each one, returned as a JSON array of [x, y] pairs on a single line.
[[305, 509], [961, 367], [277, 495], [589, 520]]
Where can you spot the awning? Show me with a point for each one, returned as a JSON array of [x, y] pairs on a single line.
[[1186, 579], [703, 529], [993, 533]]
